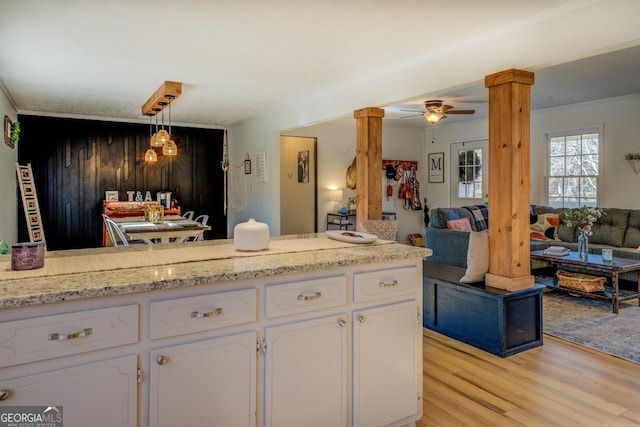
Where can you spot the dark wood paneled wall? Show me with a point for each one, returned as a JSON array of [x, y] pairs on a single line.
[[75, 161]]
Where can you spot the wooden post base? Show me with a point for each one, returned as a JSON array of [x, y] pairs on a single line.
[[509, 283]]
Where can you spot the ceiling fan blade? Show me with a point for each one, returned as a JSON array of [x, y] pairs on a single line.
[[461, 111], [414, 111], [413, 115]]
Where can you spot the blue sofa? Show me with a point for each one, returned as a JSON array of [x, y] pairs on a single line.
[[618, 229]]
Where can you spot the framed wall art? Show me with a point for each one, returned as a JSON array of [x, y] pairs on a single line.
[[111, 196], [436, 167]]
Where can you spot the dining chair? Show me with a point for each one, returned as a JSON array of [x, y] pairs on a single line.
[[202, 219], [116, 235], [188, 215], [384, 229]]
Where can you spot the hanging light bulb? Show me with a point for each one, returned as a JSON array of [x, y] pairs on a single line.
[[150, 155], [162, 136], [154, 141], [170, 148]]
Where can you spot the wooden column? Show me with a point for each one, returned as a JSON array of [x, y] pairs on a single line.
[[509, 175], [368, 163]]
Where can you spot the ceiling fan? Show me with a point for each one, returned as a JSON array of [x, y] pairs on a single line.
[[437, 109]]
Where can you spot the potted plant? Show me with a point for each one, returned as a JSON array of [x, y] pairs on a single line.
[[634, 161], [15, 133]]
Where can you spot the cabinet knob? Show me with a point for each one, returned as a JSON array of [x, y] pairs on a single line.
[[162, 360], [5, 394], [342, 323], [361, 319]]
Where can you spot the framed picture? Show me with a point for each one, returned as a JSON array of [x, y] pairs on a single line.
[[25, 174], [436, 167], [111, 196], [303, 166], [7, 132], [32, 205], [261, 166], [247, 167], [352, 204], [27, 190]]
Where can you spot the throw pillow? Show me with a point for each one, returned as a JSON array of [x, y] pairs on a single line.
[[462, 224], [477, 257], [544, 226]]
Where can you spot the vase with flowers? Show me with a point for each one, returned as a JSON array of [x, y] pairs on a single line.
[[583, 218]]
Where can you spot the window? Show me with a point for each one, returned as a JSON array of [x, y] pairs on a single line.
[[574, 168], [469, 173]]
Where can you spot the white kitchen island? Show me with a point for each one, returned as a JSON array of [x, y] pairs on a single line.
[[310, 332]]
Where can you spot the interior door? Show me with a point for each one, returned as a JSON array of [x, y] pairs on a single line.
[[469, 173], [298, 185]]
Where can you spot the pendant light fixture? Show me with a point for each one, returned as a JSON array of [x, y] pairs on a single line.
[[154, 141], [150, 155], [169, 148], [162, 136]]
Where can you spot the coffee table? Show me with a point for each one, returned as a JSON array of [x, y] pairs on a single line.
[[594, 263]]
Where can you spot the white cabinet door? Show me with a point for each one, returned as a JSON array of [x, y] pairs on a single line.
[[386, 364], [211, 382], [102, 394], [306, 373]]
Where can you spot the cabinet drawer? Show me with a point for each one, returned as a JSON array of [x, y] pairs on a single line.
[[46, 337], [298, 297], [384, 283], [200, 313]]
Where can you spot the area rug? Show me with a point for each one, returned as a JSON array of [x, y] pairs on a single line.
[[591, 323]]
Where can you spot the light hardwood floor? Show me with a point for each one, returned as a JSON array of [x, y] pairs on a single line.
[[558, 384]]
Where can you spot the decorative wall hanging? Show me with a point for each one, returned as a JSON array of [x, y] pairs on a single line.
[[261, 166], [303, 166], [436, 167]]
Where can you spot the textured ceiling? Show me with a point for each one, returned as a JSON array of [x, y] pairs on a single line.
[[237, 59]]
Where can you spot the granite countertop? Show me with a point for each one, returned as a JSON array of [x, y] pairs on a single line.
[[45, 288]]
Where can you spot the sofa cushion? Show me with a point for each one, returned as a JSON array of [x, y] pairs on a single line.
[[544, 226], [565, 233], [479, 217], [610, 229], [477, 257], [462, 224], [446, 214], [632, 236]]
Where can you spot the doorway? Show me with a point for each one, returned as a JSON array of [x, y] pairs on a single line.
[[298, 185], [469, 173]]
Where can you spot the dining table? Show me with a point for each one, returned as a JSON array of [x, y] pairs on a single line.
[[172, 229]]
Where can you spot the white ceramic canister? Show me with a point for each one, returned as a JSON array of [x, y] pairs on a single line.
[[251, 236]]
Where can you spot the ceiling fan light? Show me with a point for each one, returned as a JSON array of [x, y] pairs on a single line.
[[433, 118], [150, 155], [170, 148]]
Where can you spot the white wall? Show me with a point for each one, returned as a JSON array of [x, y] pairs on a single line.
[[619, 116], [336, 150], [536, 42], [8, 180]]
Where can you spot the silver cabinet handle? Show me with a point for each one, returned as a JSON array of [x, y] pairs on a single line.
[[361, 319], [388, 284], [62, 337], [5, 394], [214, 313], [315, 296], [162, 360], [342, 323]]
